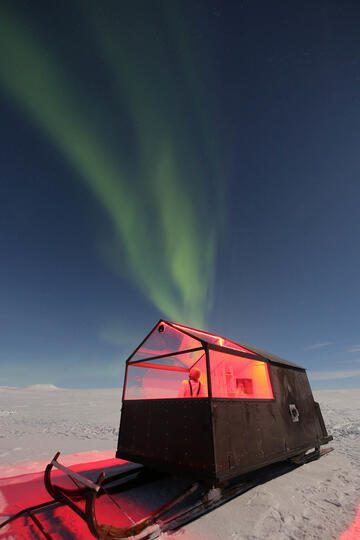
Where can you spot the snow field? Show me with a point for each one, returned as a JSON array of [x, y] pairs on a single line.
[[318, 501]]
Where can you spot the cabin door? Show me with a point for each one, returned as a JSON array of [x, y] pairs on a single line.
[[297, 409]]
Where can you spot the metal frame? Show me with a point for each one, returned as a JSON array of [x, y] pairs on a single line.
[[175, 327], [234, 352], [258, 355], [134, 362], [149, 334], [208, 374], [91, 493], [143, 341]]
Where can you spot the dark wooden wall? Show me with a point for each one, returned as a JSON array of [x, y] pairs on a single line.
[[174, 434], [249, 434]]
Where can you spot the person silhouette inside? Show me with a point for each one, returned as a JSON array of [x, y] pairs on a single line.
[[192, 386]]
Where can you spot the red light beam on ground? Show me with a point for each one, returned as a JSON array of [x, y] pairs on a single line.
[[353, 532]]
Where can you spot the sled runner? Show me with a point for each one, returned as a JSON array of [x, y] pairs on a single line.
[[187, 505]]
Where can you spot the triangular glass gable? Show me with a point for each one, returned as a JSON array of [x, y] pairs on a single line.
[[164, 339], [211, 338]]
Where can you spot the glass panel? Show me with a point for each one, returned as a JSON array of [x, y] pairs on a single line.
[[236, 377], [212, 338], [165, 339], [185, 360], [150, 381]]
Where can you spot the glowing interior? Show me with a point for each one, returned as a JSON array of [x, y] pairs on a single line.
[[239, 378]]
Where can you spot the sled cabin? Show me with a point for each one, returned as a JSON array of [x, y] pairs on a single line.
[[198, 404]]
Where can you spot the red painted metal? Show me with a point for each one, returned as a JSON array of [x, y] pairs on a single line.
[[157, 366]]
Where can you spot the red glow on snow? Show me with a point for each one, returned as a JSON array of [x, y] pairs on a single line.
[[353, 533], [24, 490]]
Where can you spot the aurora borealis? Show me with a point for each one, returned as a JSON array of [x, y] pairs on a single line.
[[156, 207], [194, 161]]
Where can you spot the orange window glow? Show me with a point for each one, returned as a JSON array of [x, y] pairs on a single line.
[[239, 378]]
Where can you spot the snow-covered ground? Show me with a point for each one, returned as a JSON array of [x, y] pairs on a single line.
[[319, 500], [37, 421]]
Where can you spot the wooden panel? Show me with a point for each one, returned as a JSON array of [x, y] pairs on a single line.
[[249, 434], [174, 432]]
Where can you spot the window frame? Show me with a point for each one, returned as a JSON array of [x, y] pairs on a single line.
[[233, 352], [148, 363]]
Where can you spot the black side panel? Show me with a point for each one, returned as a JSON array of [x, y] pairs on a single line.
[[249, 434], [292, 388], [172, 434]]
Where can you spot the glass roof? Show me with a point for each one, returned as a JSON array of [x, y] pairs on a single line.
[[165, 340], [211, 338]]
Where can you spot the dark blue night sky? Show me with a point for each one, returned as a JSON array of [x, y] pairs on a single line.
[[193, 161]]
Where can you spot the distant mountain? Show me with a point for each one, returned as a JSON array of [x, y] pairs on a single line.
[[41, 387]]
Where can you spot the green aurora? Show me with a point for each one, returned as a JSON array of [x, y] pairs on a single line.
[[165, 206]]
